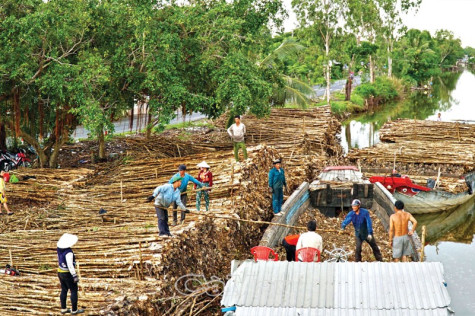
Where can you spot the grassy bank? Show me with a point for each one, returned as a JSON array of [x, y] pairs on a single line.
[[364, 97]]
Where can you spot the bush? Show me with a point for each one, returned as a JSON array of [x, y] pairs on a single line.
[[382, 90]]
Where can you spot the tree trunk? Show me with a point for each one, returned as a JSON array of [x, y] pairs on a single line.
[[348, 87], [390, 62], [42, 119], [131, 122], [3, 137], [53, 159], [102, 143], [149, 126], [42, 158], [327, 74], [16, 110], [371, 69]]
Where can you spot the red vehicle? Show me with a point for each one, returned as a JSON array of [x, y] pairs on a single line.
[[401, 184]]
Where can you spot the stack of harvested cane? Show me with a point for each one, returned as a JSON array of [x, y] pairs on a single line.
[[120, 253], [443, 144]]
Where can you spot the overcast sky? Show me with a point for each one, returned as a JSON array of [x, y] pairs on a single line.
[[457, 16]]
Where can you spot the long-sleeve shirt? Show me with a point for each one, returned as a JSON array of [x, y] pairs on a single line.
[[277, 178], [361, 223], [205, 177], [166, 194], [184, 182], [70, 263], [237, 132], [310, 239]]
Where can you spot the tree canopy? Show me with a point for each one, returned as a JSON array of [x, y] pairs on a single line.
[[90, 62]]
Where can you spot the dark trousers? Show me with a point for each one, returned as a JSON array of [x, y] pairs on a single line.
[[289, 249], [67, 283], [277, 200], [162, 215], [372, 244], [184, 199]]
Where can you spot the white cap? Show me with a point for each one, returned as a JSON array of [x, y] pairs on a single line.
[[203, 164], [67, 241]]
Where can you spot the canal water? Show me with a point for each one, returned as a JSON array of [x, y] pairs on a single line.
[[453, 95], [451, 237]]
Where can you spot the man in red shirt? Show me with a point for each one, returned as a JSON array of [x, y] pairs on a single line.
[[289, 243]]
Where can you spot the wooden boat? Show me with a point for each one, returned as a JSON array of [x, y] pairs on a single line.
[[336, 187], [423, 200]]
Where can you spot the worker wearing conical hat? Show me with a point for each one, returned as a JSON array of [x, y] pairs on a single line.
[[206, 178], [67, 273]]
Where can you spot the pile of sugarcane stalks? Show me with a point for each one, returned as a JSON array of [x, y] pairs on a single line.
[[121, 256], [422, 142], [289, 129], [123, 243], [433, 131]]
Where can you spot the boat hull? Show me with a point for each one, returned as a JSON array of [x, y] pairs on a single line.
[[434, 201]]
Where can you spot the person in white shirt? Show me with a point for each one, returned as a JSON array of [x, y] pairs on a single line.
[[237, 131], [310, 238]]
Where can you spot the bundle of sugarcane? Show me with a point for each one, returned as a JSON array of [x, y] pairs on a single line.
[[417, 130], [423, 152], [122, 244]]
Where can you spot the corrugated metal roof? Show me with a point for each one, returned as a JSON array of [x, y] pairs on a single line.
[[287, 311], [342, 176], [346, 286]]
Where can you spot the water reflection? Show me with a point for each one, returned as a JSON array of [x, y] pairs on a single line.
[[458, 225], [459, 272], [451, 95]]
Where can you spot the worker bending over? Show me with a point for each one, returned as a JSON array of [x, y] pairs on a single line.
[[165, 195], [363, 229]]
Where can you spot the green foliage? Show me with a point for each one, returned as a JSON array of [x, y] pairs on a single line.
[[88, 62], [417, 57], [382, 89]]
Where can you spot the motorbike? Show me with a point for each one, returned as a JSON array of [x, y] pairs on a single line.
[[9, 161]]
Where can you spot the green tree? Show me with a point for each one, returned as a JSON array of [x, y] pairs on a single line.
[[391, 16], [417, 58], [364, 22], [292, 89], [450, 48], [39, 47], [322, 20]]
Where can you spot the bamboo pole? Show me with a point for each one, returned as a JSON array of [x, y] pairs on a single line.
[[423, 241], [11, 260], [79, 275], [141, 261], [121, 192], [262, 222]]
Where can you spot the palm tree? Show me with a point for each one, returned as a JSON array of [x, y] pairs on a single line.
[[294, 90]]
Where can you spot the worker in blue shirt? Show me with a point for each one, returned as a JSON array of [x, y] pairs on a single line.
[[184, 197], [165, 195], [363, 229], [276, 186]]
